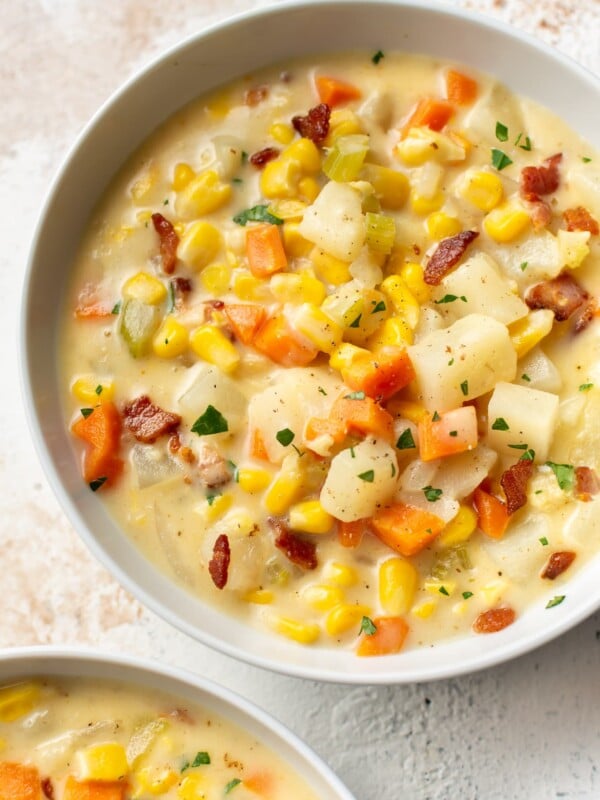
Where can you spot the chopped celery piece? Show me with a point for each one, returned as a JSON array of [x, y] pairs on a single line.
[[464, 558], [345, 159], [143, 738], [381, 232], [139, 322]]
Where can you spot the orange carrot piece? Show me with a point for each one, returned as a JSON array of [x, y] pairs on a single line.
[[334, 92], [386, 373], [101, 430], [96, 310], [257, 446], [460, 88], [430, 112], [19, 782], [276, 339], [387, 639], [259, 782], [405, 528], [317, 427], [264, 250], [492, 516], [452, 432], [350, 533], [93, 790], [363, 417], [245, 320]]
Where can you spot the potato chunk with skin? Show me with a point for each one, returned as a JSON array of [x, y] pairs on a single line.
[[528, 419], [335, 221], [463, 361], [360, 480]]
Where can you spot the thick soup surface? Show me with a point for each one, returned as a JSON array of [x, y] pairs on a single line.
[[330, 355]]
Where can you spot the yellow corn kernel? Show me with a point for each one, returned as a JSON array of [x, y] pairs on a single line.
[[285, 487], [204, 194], [482, 189], [330, 269], [102, 762], [443, 588], [403, 300], [18, 700], [260, 597], [322, 597], [340, 574], [423, 144], [305, 153], [398, 580], [192, 787], [144, 287], [394, 331], [317, 326], [506, 223], [492, 592], [156, 780], [295, 245], [344, 617], [279, 179], [425, 609], [171, 339], [247, 287], [216, 278], [287, 209], [342, 122], [297, 287], [92, 390], [142, 188], [412, 275], [459, 529], [391, 187], [426, 205], [253, 480], [408, 409], [440, 225], [182, 175], [310, 517], [302, 632], [211, 344], [199, 244], [346, 354], [525, 333], [143, 217], [308, 189], [281, 132]]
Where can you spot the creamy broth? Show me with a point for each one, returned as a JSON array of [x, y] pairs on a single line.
[[77, 739], [524, 385]]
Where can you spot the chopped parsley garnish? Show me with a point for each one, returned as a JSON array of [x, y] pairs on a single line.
[[523, 265], [451, 362], [436, 417], [586, 159], [116, 308], [285, 436], [464, 387], [85, 412], [406, 440], [258, 213], [352, 453], [322, 391], [237, 180], [432, 494], [466, 595], [97, 483], [556, 601], [211, 422], [201, 758], [232, 784], [452, 433], [393, 470], [376, 58], [543, 541], [450, 298], [355, 396], [166, 202], [381, 306], [565, 475], [98, 389], [356, 322], [501, 132], [368, 626], [243, 157], [300, 452], [585, 387], [519, 446], [525, 377], [500, 424], [210, 498], [500, 160], [525, 145], [443, 590], [528, 455], [368, 476]]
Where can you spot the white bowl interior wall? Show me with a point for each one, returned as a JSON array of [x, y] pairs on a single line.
[[212, 58]]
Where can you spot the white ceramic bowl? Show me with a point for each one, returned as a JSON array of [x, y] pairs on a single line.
[[23, 663], [213, 57]]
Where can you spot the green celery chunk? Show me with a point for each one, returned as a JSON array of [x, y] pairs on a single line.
[[345, 159], [138, 325]]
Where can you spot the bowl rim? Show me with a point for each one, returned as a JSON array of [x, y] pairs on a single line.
[[478, 661]]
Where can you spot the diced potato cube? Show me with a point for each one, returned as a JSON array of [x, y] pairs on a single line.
[[573, 247], [335, 222]]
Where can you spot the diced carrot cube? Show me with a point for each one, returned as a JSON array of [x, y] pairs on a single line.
[[276, 339], [429, 112], [334, 92], [405, 528], [389, 370], [363, 416], [101, 430], [387, 639], [264, 250], [460, 88], [19, 782], [245, 320], [350, 534], [492, 514], [450, 433], [93, 790]]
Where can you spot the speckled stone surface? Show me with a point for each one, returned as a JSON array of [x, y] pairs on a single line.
[[529, 729]]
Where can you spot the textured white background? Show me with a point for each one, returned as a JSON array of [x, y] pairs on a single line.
[[530, 729]]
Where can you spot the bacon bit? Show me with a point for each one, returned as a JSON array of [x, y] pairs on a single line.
[[562, 295], [47, 788], [218, 566], [447, 255], [514, 481], [580, 219], [299, 551], [541, 214], [212, 467], [252, 97], [263, 157], [168, 242], [587, 483], [536, 181], [97, 310], [218, 305], [181, 287], [494, 620], [146, 421], [315, 125], [584, 315], [557, 564]]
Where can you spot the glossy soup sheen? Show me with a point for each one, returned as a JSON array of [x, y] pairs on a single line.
[[78, 739], [377, 348]]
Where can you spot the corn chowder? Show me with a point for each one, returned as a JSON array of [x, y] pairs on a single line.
[[331, 352], [77, 739]]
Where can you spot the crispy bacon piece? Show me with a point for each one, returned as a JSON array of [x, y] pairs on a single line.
[[168, 242], [447, 255], [218, 566], [212, 467], [584, 315], [315, 125], [537, 181], [252, 97], [562, 295], [541, 214], [587, 483], [580, 219], [514, 481], [47, 788], [557, 564], [299, 551], [262, 157], [494, 620], [146, 421], [181, 288]]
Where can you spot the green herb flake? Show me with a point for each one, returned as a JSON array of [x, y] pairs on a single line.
[[285, 436], [406, 440], [376, 57], [201, 758], [356, 322], [543, 541], [519, 446], [380, 306], [528, 455], [525, 377], [585, 387], [393, 470], [116, 308], [450, 298], [436, 417], [526, 145], [368, 476], [500, 424], [352, 453], [97, 483], [210, 498], [443, 590], [452, 433], [556, 601], [466, 595], [85, 412], [237, 180], [211, 422], [98, 389], [565, 475], [432, 494], [355, 396], [258, 213], [464, 387], [166, 202], [501, 132], [322, 391], [368, 626], [500, 160], [232, 784], [586, 159], [451, 362], [523, 265], [243, 157]]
